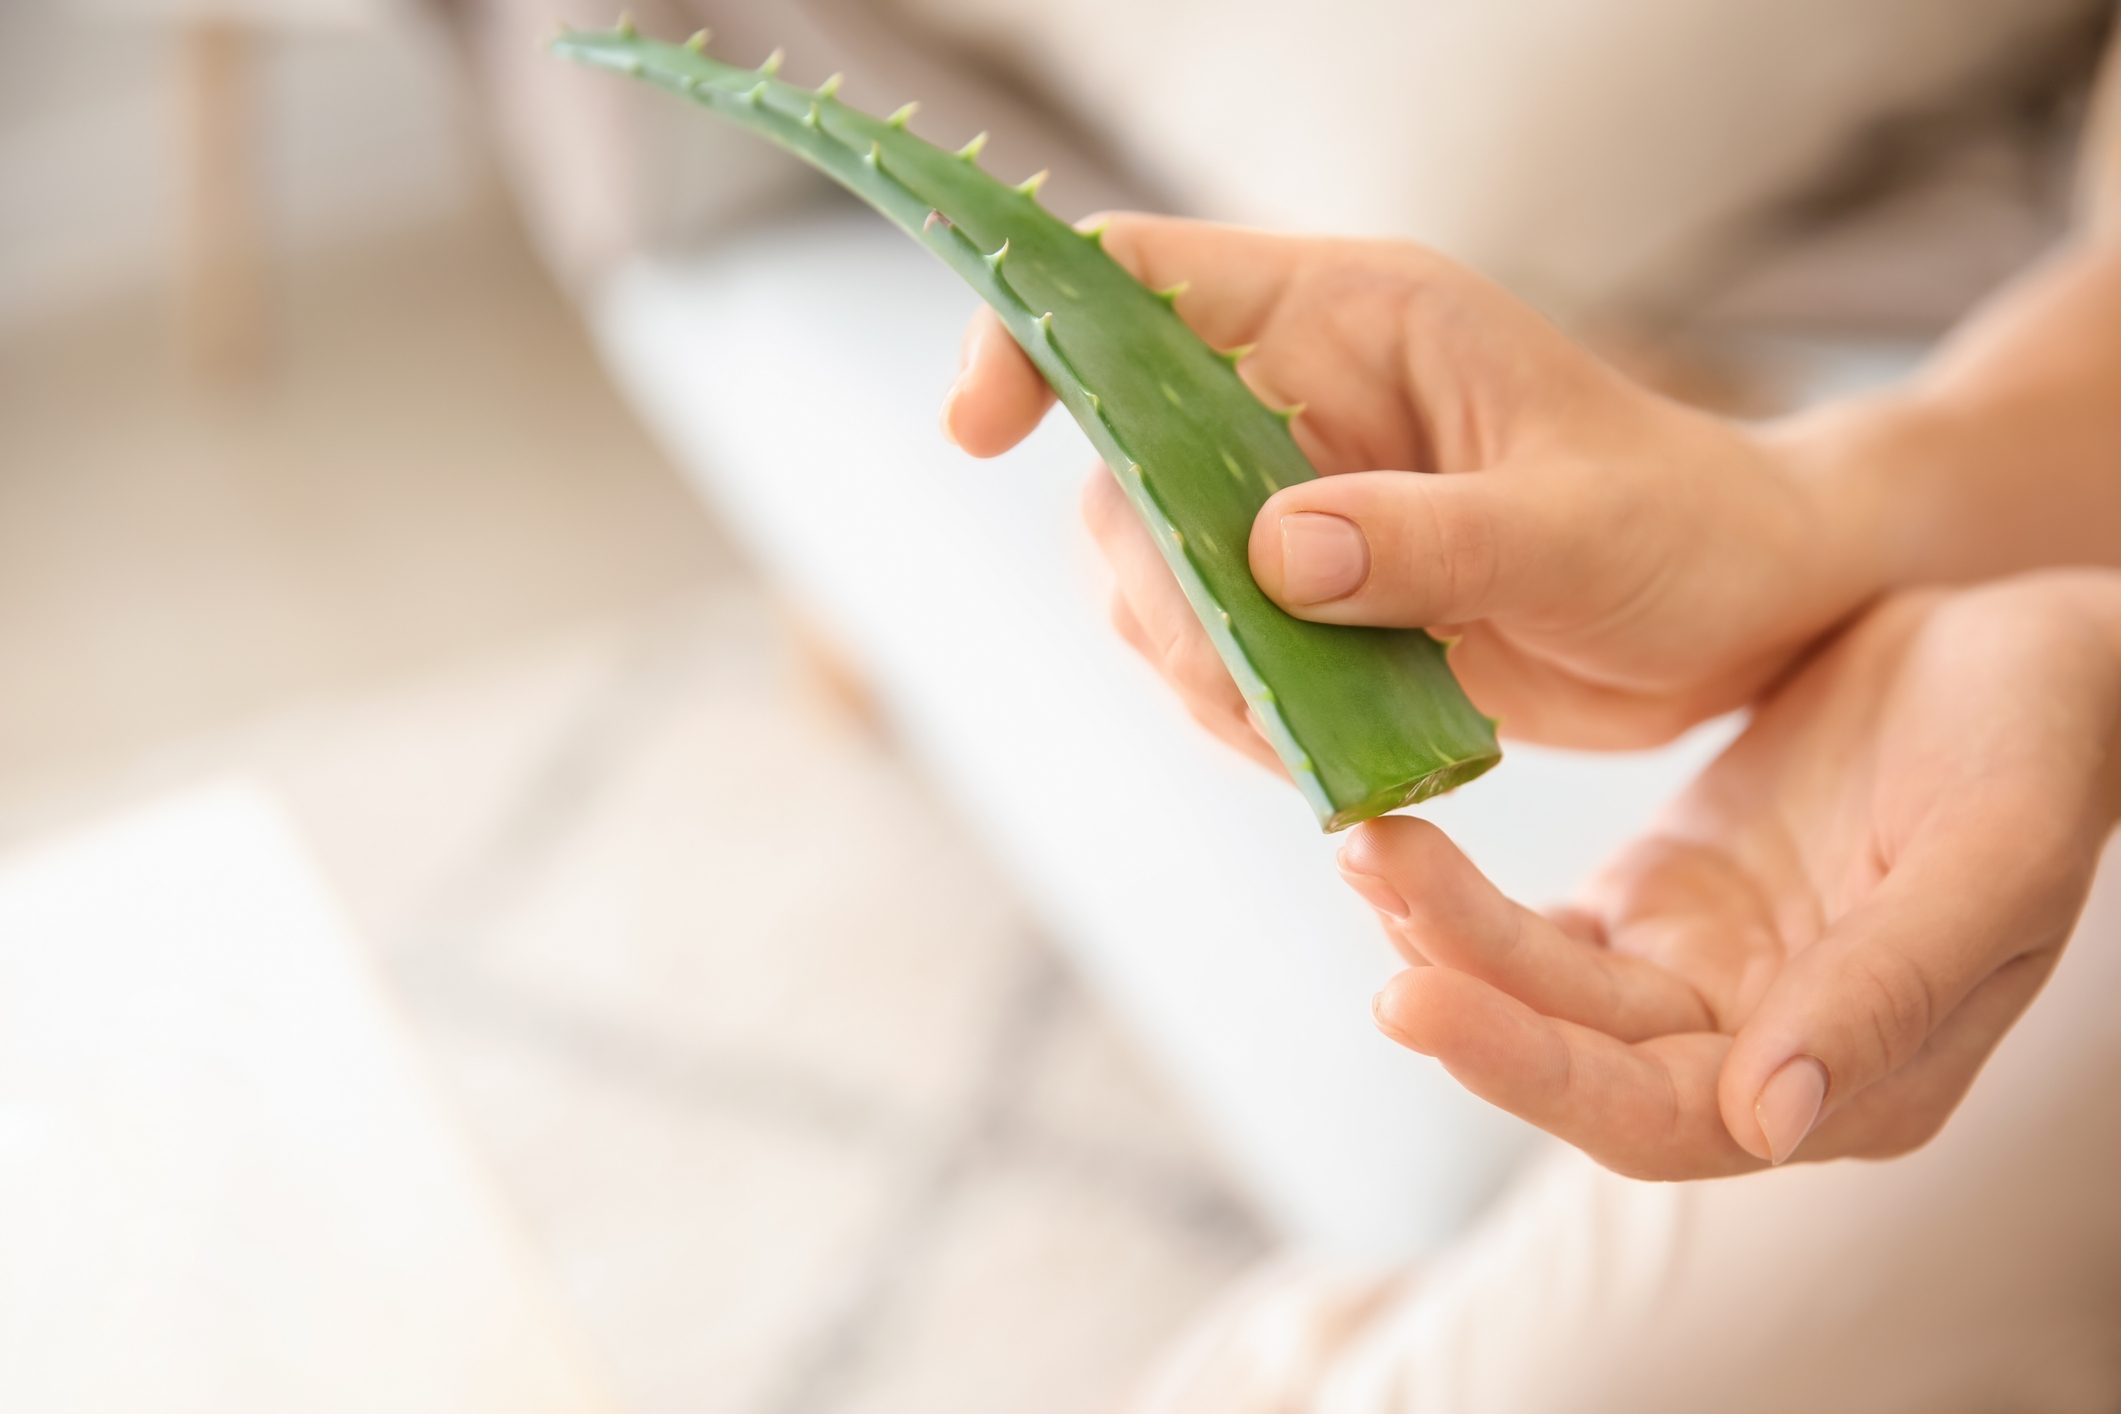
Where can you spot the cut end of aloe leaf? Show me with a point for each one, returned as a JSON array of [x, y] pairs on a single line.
[[1435, 783]]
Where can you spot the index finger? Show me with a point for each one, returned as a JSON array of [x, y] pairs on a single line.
[[998, 397], [1231, 279], [1450, 913], [1646, 1110]]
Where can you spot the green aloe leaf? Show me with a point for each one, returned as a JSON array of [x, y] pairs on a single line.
[[1366, 720]]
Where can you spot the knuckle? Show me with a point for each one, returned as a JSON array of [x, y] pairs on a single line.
[[1447, 555], [1211, 720], [1895, 1002], [1121, 616], [1191, 663], [1467, 543], [1099, 503]]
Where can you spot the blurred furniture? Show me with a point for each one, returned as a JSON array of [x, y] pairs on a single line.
[[220, 268], [228, 1189]]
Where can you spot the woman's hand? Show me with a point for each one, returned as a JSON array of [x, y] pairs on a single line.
[[1817, 947], [1614, 567]]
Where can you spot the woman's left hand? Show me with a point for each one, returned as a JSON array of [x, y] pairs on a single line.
[[1819, 944]]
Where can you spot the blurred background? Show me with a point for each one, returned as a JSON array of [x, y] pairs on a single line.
[[515, 894]]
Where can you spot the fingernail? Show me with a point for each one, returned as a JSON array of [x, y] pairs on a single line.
[[949, 402], [1789, 1104], [1376, 892], [1323, 557]]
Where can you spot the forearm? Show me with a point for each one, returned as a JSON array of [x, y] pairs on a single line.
[[2003, 453]]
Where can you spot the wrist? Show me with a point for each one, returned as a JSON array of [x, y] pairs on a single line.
[[1876, 471], [1846, 462]]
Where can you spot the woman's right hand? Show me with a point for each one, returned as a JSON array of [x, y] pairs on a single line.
[[1614, 567]]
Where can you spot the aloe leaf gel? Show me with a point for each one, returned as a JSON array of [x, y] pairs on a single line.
[[1366, 720]]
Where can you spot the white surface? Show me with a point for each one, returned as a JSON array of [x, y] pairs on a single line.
[[223, 1185], [796, 375]]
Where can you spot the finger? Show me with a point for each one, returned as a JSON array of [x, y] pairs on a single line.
[[999, 397], [1129, 628], [1958, 904], [1231, 278], [1646, 1110], [1555, 706], [1451, 915], [1405, 549], [1237, 728], [1908, 1108], [1237, 732], [1175, 643]]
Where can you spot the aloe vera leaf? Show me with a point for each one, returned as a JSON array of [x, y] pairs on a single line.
[[1366, 720]]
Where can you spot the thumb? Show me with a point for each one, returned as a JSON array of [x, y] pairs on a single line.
[[1865, 999], [1405, 549]]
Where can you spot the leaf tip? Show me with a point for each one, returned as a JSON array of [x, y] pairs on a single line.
[[697, 41], [1029, 186], [903, 116], [773, 63], [970, 151]]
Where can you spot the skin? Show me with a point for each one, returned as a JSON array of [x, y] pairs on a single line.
[[1825, 929], [1877, 876], [1545, 546]]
